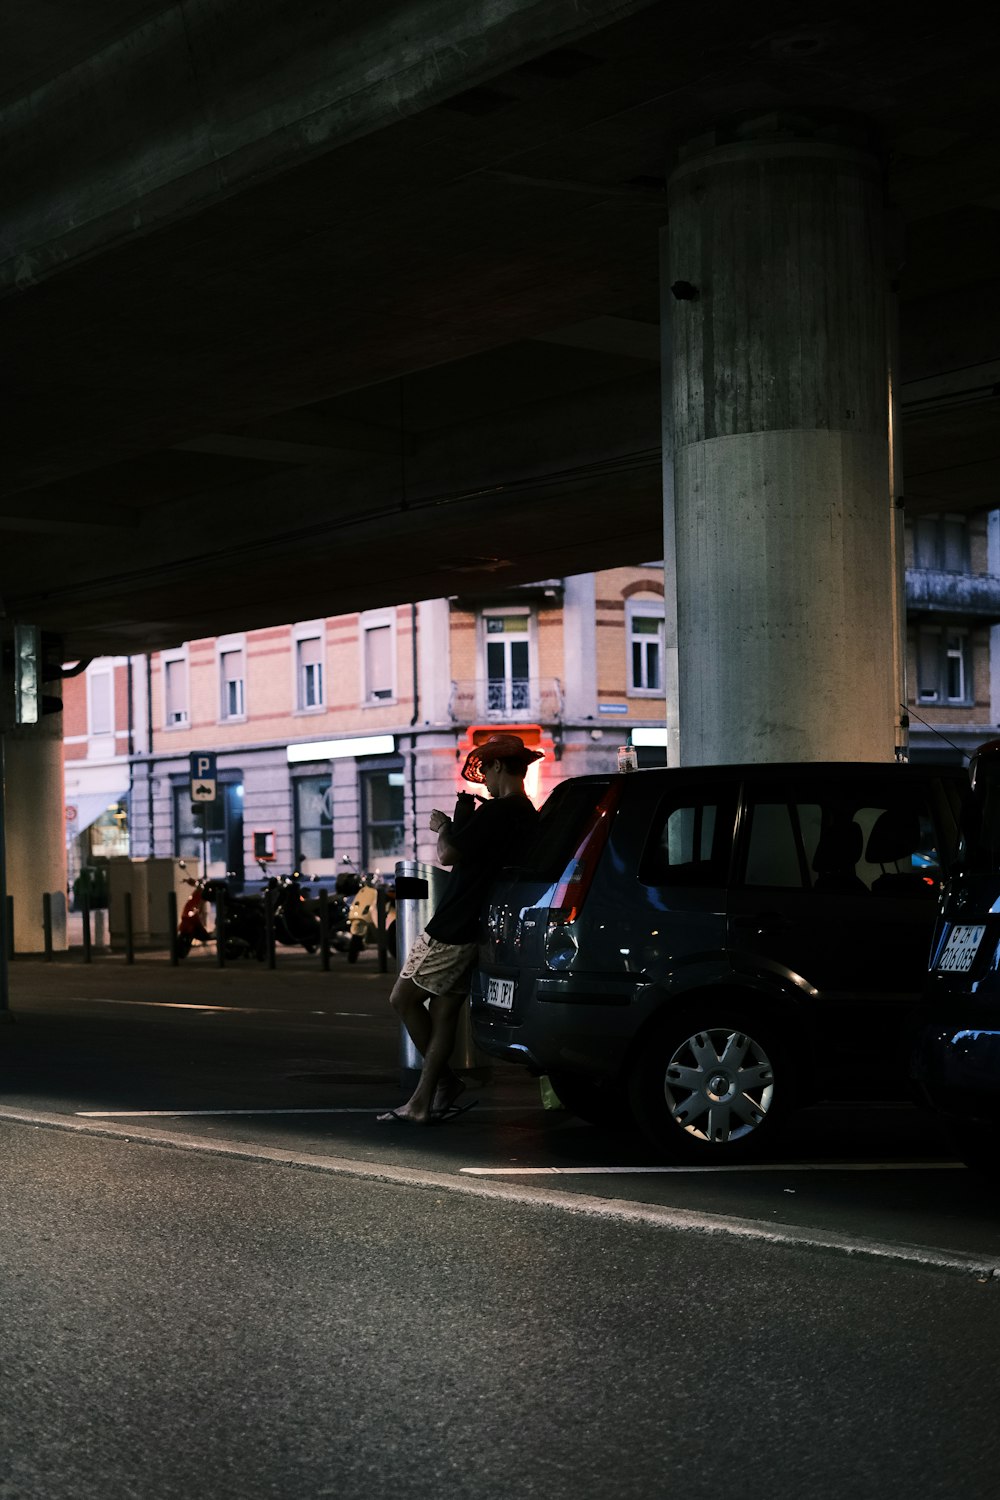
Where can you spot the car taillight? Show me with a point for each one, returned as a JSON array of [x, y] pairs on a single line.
[[577, 878]]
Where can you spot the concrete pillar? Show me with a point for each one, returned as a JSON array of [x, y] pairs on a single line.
[[36, 842], [579, 648], [434, 660], [780, 444]]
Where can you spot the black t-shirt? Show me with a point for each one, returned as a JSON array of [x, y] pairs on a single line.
[[493, 837]]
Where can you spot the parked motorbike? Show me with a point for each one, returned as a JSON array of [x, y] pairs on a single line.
[[364, 916], [296, 914], [243, 926]]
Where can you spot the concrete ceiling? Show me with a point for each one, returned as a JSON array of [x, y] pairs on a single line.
[[311, 310]]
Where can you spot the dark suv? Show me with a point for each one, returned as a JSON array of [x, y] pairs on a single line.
[[698, 949]]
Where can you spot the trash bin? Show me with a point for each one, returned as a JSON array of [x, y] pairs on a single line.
[[418, 889]]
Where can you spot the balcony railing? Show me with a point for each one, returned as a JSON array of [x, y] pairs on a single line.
[[482, 699], [931, 591]]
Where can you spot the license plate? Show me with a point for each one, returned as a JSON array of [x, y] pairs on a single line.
[[500, 992], [961, 948]]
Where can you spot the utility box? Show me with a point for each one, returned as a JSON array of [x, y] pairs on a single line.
[[149, 883]]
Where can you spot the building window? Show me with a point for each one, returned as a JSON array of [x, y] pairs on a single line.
[[941, 543], [232, 671], [313, 797], [943, 666], [378, 658], [309, 672], [382, 816], [101, 701], [645, 645], [508, 684], [175, 691]]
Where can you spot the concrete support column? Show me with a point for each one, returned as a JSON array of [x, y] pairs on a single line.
[[780, 452], [36, 840], [579, 648]]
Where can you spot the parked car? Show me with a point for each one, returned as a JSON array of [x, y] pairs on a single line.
[[956, 1057], [697, 950]]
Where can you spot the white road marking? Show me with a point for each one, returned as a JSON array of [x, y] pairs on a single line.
[[171, 1114], [757, 1166], [651, 1215], [236, 1010]]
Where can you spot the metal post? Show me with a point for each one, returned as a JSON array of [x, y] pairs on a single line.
[[86, 930], [175, 957], [10, 926], [47, 924], [220, 928], [383, 952], [324, 930], [129, 939], [269, 932]]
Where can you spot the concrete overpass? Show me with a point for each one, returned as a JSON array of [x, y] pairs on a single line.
[[292, 294]]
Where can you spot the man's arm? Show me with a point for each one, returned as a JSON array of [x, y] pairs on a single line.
[[441, 825]]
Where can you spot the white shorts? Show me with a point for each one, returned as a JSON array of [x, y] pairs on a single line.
[[439, 968]]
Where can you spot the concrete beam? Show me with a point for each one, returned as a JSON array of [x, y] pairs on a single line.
[[212, 95]]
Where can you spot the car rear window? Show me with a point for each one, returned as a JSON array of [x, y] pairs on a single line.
[[562, 821], [690, 838]]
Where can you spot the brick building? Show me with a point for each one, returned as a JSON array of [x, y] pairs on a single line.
[[335, 737]]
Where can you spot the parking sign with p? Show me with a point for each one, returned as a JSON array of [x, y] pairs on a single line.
[[203, 777]]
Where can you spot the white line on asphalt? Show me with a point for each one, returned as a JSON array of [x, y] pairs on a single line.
[[651, 1215], [236, 1010], [757, 1166], [171, 1114]]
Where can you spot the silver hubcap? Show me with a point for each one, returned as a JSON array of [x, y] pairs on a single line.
[[719, 1085]]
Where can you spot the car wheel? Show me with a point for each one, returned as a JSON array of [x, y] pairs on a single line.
[[354, 948], [599, 1103], [185, 942], [708, 1092]]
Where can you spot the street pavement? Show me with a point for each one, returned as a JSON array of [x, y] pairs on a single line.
[[221, 1276]]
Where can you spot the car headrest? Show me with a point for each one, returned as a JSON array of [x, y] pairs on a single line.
[[839, 849], [895, 836]]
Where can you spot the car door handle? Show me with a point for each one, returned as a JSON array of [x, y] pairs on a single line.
[[762, 923]]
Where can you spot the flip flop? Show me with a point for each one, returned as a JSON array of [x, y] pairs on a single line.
[[451, 1112]]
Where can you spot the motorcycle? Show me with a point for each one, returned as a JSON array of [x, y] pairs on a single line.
[[244, 932], [296, 915], [366, 914]]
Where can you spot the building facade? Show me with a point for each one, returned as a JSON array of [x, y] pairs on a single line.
[[334, 738]]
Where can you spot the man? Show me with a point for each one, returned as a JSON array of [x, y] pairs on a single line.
[[439, 964]]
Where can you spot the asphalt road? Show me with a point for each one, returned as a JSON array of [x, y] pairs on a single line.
[[285, 1298]]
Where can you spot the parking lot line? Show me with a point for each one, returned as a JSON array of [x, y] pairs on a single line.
[[171, 1114], [757, 1166]]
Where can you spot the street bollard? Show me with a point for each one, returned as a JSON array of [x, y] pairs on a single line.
[[418, 890], [324, 930], [47, 924], [129, 938], [220, 928], [10, 926], [175, 957], [85, 911], [383, 951], [269, 933]]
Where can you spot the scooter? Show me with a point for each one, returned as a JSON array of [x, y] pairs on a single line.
[[296, 917], [364, 916], [243, 928], [191, 926]]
